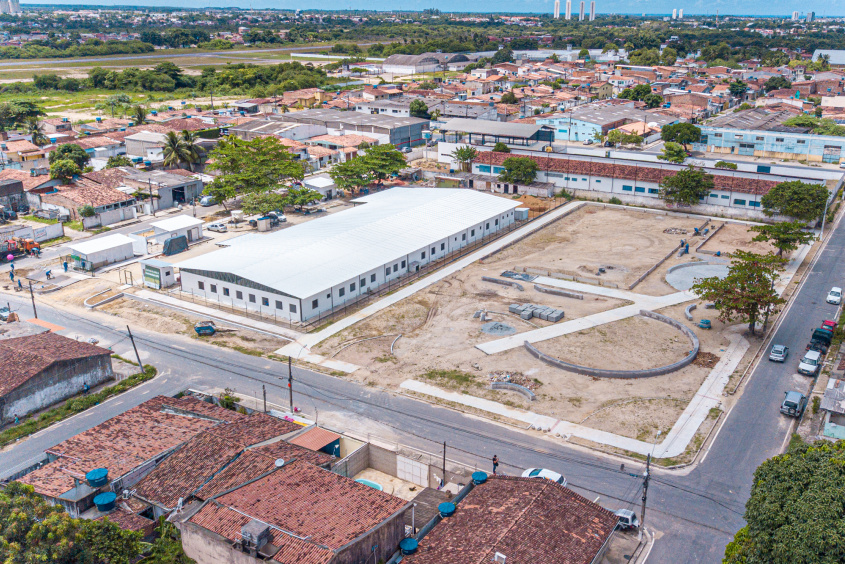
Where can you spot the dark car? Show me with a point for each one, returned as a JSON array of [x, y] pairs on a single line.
[[793, 404]]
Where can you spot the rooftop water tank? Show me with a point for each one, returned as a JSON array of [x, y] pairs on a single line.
[[99, 119], [479, 477], [64, 120], [105, 501], [408, 546], [97, 478], [446, 509]]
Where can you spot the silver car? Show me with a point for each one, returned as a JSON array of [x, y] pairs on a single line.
[[779, 353]]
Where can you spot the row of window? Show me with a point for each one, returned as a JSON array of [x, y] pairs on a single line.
[[239, 295], [626, 188]]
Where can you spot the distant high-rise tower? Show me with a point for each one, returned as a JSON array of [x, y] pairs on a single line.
[[796, 15], [569, 9], [811, 16], [581, 12], [681, 14], [592, 10], [557, 9], [675, 14]]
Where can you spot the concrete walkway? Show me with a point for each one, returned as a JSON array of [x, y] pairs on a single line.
[[300, 347], [675, 442], [641, 301]]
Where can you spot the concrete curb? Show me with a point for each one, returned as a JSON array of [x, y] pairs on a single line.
[[503, 283], [511, 387], [556, 292], [626, 374]]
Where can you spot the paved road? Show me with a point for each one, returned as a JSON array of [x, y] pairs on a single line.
[[694, 514]]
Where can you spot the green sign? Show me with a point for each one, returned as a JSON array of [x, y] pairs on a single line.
[[152, 277]]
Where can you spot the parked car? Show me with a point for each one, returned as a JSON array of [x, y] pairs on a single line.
[[5, 312], [809, 365], [217, 226], [793, 404], [834, 296], [406, 150], [779, 353], [280, 215], [627, 519], [588, 142], [545, 474], [206, 201]]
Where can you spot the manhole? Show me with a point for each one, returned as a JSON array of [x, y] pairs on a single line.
[[497, 328]]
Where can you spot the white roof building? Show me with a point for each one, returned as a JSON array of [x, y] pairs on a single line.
[[322, 264]]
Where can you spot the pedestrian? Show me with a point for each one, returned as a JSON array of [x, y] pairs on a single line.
[[85, 387], [12, 275], [49, 274], [16, 419], [64, 264], [495, 463], [20, 286]]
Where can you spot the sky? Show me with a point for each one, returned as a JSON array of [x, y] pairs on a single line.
[[637, 7]]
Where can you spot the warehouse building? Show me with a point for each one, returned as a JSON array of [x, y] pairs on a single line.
[[399, 131], [309, 269]]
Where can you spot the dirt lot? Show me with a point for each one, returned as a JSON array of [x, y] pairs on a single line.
[[736, 236], [439, 332], [625, 243]]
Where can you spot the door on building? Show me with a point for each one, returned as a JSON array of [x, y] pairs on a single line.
[[831, 154], [178, 195], [412, 471], [516, 189]]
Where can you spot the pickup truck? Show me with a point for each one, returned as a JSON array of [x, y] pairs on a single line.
[[4, 313], [820, 341]]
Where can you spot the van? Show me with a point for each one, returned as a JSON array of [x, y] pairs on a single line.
[[206, 201], [809, 365]]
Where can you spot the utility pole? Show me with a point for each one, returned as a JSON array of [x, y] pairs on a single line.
[[131, 338], [290, 385], [152, 206], [32, 295], [264, 392], [444, 463], [646, 478]]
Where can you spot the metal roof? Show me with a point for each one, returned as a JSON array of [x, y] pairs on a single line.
[[108, 242], [837, 56], [485, 127], [177, 222], [308, 258]]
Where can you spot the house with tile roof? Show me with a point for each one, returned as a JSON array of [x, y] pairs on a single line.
[[527, 520], [110, 204], [296, 512], [44, 369]]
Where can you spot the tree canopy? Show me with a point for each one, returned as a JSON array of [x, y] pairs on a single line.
[[376, 164], [801, 200], [70, 152], [519, 170], [796, 512], [419, 109], [683, 133], [64, 170], [260, 165], [747, 292], [509, 98], [776, 83], [500, 147], [16, 112], [687, 186], [784, 236], [738, 88], [464, 155], [673, 152]]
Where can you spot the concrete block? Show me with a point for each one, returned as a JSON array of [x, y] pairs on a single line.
[[557, 316], [526, 315], [514, 308]]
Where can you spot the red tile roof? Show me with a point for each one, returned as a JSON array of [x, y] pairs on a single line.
[[329, 509], [29, 182], [130, 521], [642, 172], [529, 520], [23, 358], [315, 438], [126, 441], [84, 193]]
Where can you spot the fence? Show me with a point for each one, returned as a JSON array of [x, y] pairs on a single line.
[[269, 315]]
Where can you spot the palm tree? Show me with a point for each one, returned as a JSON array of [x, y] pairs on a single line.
[[464, 155], [191, 147], [139, 115], [174, 150], [35, 129]]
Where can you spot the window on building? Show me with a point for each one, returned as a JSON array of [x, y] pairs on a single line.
[[362, 282], [372, 277], [422, 255], [328, 296], [584, 179], [213, 288], [717, 135], [225, 291], [754, 204], [472, 233], [352, 287], [496, 222], [598, 181], [487, 226], [341, 292], [725, 197], [403, 264], [463, 237], [387, 271], [293, 308], [442, 246], [252, 298], [201, 285], [800, 141], [653, 191], [759, 138], [239, 294], [628, 188], [738, 202], [265, 301], [714, 195], [315, 304], [395, 268], [639, 189], [778, 139], [280, 304], [483, 168]]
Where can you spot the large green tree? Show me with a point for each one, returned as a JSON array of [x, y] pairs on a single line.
[[784, 236], [801, 200], [747, 293], [687, 186], [33, 531], [15, 112], [673, 152], [683, 133], [64, 170], [72, 152], [464, 155], [244, 167], [376, 164], [776, 83], [418, 109], [351, 175], [519, 170], [738, 88], [796, 512]]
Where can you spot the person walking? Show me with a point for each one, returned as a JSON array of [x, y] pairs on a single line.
[[495, 463], [64, 264]]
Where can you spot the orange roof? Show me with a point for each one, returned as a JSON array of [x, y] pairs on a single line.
[[315, 438]]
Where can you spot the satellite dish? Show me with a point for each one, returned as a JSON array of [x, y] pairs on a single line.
[[652, 124], [280, 462]]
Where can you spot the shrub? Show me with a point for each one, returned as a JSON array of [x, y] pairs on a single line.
[[726, 165], [615, 200]]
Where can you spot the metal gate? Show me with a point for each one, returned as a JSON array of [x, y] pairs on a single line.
[[412, 471]]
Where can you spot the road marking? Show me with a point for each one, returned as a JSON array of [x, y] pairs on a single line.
[[145, 392]]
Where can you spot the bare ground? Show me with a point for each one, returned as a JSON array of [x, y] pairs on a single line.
[[736, 237]]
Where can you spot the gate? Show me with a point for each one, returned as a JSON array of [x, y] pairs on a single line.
[[412, 471]]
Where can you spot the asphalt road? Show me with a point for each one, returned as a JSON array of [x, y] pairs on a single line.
[[694, 514]]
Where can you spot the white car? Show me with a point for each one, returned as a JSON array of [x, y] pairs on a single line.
[[809, 365], [546, 474], [217, 226], [834, 296]]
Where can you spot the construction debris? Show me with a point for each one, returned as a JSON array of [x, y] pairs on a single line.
[[675, 231], [527, 311], [514, 378]]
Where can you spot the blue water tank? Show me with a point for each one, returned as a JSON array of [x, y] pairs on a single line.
[[97, 478], [408, 546], [446, 509], [479, 477], [105, 501]]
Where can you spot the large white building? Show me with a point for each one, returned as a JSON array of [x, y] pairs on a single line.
[[568, 9], [303, 271], [592, 10], [581, 12], [557, 10]]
